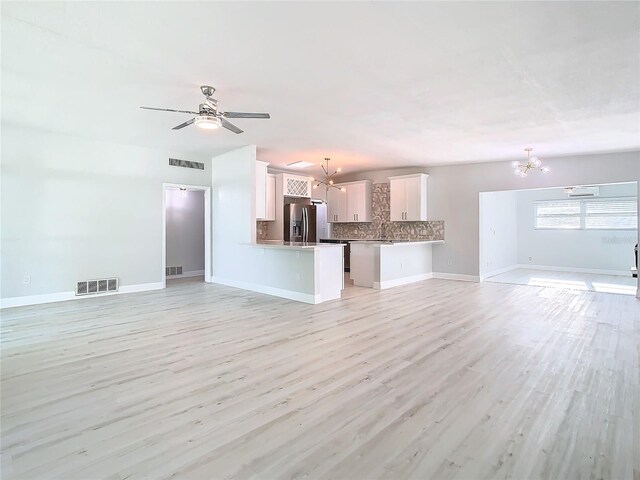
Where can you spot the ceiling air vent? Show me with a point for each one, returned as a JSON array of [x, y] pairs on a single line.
[[91, 287], [186, 164]]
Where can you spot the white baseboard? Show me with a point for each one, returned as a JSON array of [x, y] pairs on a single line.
[[193, 273], [456, 276], [65, 296], [596, 271], [402, 281], [276, 292], [498, 272]]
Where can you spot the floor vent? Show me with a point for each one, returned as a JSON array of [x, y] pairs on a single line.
[[171, 271], [186, 164], [103, 285]]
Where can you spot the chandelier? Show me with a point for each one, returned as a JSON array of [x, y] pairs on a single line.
[[327, 181], [521, 169]]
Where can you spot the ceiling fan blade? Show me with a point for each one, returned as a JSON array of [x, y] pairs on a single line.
[[170, 110], [185, 124], [245, 115], [230, 126]]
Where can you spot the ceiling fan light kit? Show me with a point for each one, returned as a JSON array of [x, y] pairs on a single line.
[[208, 122], [208, 117], [521, 169]]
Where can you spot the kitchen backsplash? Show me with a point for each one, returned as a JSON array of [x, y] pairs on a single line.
[[262, 230], [381, 227]]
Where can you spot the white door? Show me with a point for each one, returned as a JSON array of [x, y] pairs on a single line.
[[398, 200]]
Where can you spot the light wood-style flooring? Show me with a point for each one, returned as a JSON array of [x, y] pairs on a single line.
[[624, 285], [439, 379]]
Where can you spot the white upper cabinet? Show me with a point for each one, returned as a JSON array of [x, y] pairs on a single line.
[[296, 186], [261, 190], [271, 198], [409, 198], [336, 205], [352, 205], [358, 201]]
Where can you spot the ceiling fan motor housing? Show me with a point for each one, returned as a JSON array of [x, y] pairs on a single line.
[[207, 90]]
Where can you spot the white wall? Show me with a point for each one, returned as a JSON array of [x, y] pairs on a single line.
[[498, 232], [185, 229], [610, 250], [454, 191], [75, 209]]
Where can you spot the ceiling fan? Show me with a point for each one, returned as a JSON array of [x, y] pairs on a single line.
[[208, 116]]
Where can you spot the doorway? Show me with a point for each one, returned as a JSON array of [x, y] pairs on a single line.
[[186, 246], [575, 238]]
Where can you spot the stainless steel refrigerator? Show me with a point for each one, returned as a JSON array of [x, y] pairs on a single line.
[[299, 223]]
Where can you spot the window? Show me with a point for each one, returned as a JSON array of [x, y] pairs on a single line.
[[558, 214], [611, 213], [620, 213]]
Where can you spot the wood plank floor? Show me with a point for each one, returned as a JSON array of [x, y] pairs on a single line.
[[623, 285], [439, 379]]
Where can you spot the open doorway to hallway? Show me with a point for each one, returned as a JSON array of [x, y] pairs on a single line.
[[186, 239], [578, 238]]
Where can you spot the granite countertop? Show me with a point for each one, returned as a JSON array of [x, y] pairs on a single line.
[[295, 245], [395, 242], [383, 240]]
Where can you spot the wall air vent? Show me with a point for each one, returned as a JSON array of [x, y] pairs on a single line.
[[573, 192], [186, 164], [172, 271], [103, 285]]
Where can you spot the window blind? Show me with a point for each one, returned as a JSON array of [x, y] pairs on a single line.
[[617, 213], [611, 213], [558, 214]]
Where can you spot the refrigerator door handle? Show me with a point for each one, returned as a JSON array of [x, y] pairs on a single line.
[[304, 224], [307, 226]]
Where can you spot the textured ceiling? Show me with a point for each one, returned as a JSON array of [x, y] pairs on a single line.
[[370, 84]]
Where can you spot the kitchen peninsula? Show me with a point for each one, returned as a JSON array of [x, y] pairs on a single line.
[[389, 263], [303, 271]]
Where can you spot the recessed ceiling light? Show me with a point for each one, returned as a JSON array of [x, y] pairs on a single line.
[[300, 164]]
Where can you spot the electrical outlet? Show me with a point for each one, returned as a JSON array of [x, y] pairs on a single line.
[[26, 280], [530, 258], [449, 261], [401, 266]]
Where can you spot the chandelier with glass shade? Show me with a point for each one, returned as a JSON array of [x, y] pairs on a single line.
[[521, 169]]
